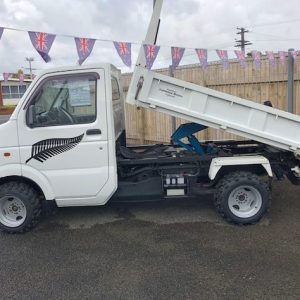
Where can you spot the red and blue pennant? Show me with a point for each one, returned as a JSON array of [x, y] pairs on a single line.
[[177, 54], [241, 57], [223, 55], [84, 48], [151, 52], [124, 51], [42, 43], [257, 59], [271, 58], [21, 77], [282, 56], [294, 54], [6, 76], [202, 55]]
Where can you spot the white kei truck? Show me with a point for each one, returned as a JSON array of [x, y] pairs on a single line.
[[65, 143]]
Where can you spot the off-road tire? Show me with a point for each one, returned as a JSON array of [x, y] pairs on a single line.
[[30, 198], [231, 181]]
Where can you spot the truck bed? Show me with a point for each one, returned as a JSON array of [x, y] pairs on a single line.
[[208, 107]]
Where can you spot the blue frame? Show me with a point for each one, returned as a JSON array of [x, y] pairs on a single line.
[[187, 131]]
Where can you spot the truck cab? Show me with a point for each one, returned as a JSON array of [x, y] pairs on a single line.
[[80, 108]]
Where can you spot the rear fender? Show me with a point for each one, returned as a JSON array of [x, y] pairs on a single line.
[[219, 162]]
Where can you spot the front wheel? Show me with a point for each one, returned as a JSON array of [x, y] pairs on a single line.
[[242, 197], [20, 207]]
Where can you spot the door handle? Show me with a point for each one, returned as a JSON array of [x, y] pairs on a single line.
[[93, 131]]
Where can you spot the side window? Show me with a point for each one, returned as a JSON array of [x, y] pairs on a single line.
[[115, 89], [64, 101]]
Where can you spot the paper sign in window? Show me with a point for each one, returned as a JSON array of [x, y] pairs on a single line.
[[79, 93]]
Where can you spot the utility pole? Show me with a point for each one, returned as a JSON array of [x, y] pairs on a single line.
[[242, 42], [30, 60]]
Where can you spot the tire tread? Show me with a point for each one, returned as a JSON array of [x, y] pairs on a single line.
[[34, 200], [230, 179]]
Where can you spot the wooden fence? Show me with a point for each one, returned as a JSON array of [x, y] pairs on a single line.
[[267, 83]]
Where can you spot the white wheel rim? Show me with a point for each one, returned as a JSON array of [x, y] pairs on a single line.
[[245, 201], [12, 211]]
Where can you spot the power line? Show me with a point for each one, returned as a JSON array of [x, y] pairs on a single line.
[[274, 40], [267, 34], [275, 23], [242, 42]]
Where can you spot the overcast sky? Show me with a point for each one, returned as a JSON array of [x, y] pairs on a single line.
[[274, 25]]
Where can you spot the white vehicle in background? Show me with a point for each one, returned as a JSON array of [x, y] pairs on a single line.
[[66, 143]]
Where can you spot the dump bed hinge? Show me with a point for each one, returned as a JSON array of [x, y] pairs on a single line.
[[187, 131]]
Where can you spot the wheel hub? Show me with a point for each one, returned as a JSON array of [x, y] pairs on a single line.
[[12, 211], [245, 201], [15, 208], [241, 198]]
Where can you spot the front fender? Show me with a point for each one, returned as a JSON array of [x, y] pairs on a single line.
[[40, 179], [10, 170]]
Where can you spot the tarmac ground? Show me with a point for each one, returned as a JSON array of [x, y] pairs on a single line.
[[165, 250]]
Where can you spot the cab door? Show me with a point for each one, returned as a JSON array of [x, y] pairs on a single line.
[[63, 133]]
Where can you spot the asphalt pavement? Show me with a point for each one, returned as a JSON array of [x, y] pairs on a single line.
[[174, 250]]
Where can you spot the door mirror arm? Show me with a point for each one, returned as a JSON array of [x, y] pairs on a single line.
[[31, 117]]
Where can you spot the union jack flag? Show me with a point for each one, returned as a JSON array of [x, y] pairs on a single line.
[[84, 48], [282, 56], [151, 52], [1, 32], [21, 77], [176, 53], [124, 51], [241, 57], [42, 43], [271, 58], [256, 58], [202, 55], [294, 55], [6, 76], [223, 55]]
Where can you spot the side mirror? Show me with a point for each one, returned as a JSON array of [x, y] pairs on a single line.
[[31, 115]]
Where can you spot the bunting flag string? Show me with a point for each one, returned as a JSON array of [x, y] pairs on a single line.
[[294, 55], [241, 57], [151, 52], [256, 58], [282, 55], [42, 43], [176, 54], [84, 48], [21, 77], [271, 58], [124, 51], [223, 55], [202, 55], [6, 76]]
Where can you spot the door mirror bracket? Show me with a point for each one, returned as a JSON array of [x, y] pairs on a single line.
[[31, 117]]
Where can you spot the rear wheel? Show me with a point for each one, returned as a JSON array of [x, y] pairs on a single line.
[[242, 197], [20, 207]]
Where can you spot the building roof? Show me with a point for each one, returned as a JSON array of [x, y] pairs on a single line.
[[14, 79]]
